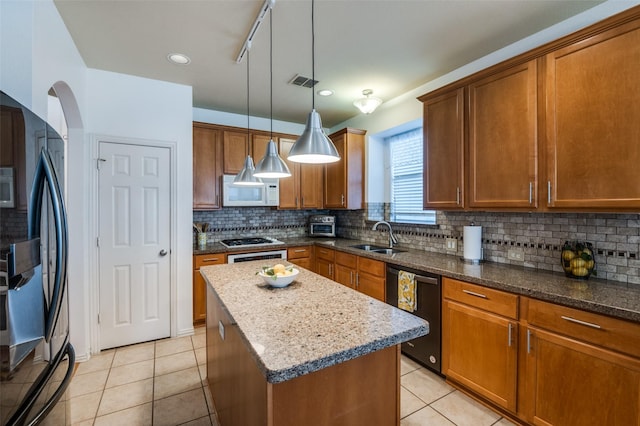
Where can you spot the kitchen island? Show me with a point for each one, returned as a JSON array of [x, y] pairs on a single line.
[[315, 352]]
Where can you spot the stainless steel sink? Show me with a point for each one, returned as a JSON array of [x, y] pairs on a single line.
[[388, 251], [377, 249], [368, 247]]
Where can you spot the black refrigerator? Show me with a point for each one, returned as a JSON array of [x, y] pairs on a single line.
[[36, 358]]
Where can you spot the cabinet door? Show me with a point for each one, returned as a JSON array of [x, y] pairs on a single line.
[[335, 176], [289, 187], [503, 140], [199, 298], [235, 151], [371, 285], [443, 140], [207, 168], [259, 146], [479, 351], [575, 384], [345, 275], [592, 110], [311, 185], [324, 268]]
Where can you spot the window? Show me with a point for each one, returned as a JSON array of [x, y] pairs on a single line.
[[406, 179]]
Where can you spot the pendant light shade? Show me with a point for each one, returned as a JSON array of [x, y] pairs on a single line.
[[246, 176], [368, 104], [313, 146], [271, 165]]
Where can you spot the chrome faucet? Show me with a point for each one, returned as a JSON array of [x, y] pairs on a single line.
[[392, 238]]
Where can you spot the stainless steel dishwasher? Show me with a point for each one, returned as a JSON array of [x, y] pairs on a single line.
[[425, 349]]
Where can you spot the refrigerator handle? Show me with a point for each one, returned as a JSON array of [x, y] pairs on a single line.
[[45, 173]]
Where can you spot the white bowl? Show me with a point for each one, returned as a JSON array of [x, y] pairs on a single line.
[[281, 281]]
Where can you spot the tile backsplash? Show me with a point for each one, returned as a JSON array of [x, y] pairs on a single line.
[[616, 237]]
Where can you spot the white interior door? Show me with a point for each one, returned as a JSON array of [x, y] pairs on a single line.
[[134, 243]]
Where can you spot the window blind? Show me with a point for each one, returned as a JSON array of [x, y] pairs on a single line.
[[406, 179]]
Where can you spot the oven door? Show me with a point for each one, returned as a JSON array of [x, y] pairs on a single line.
[[247, 257], [322, 229]]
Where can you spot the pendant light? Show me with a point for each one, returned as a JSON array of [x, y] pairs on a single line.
[[313, 146], [245, 177], [368, 104], [271, 165]]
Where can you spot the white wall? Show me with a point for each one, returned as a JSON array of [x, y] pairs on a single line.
[[37, 52], [407, 108], [239, 120]]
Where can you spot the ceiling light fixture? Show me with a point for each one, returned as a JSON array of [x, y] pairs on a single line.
[[313, 146], [271, 165], [325, 92], [178, 58], [367, 104], [245, 177]]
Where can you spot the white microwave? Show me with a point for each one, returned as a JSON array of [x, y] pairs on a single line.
[[7, 188], [248, 196]]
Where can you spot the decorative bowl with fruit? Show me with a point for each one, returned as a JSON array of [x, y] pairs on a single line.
[[278, 275], [578, 259]]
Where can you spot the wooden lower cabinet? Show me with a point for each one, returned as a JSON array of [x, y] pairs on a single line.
[[370, 278], [200, 286], [324, 261], [301, 256], [579, 368], [479, 346], [346, 269]]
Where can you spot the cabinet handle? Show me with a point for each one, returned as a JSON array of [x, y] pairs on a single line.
[[530, 192], [296, 201], [411, 344], [548, 192], [473, 293], [301, 201], [357, 280], [299, 251], [528, 341], [577, 321], [331, 269], [351, 278], [458, 195], [510, 333], [211, 259], [342, 199]]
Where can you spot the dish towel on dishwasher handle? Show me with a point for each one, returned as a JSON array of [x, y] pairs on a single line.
[[407, 291]]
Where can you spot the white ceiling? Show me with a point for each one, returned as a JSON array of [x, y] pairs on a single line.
[[389, 46]]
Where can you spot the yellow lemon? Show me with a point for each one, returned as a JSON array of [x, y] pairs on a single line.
[[279, 268]]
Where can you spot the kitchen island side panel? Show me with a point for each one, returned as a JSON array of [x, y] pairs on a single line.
[[364, 390]]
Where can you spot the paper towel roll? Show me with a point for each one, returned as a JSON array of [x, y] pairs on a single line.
[[473, 242]]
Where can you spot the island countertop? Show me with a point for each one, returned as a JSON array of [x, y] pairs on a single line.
[[312, 324]]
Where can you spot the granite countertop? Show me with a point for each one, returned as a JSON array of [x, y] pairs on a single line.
[[595, 295], [312, 324]]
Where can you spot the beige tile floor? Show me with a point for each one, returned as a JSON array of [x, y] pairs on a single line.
[[164, 383]]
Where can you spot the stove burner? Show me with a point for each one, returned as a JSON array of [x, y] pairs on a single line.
[[257, 241]]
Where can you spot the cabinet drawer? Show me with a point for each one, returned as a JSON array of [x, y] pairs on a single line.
[[209, 259], [371, 267], [324, 253], [299, 252], [346, 259], [496, 301], [612, 333]]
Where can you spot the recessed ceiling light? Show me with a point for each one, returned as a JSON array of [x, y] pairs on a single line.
[[178, 58], [325, 92]]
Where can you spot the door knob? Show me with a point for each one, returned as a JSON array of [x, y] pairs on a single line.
[[163, 252]]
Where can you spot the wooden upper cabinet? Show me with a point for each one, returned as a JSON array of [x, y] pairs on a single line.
[[289, 187], [259, 146], [303, 190], [235, 151], [344, 179], [592, 111], [503, 143], [207, 167], [443, 139]]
